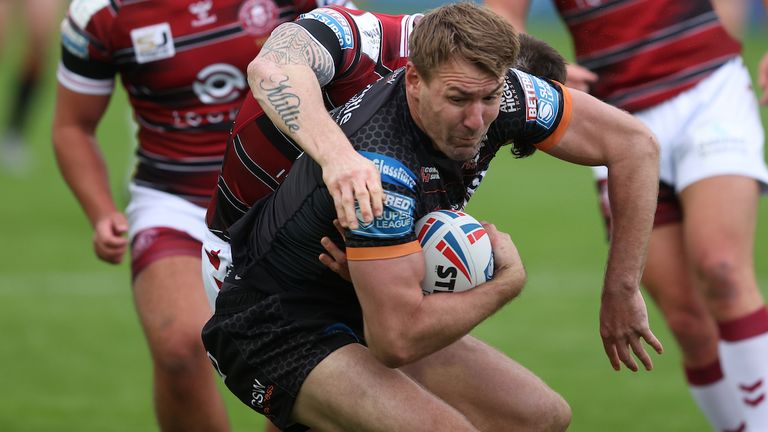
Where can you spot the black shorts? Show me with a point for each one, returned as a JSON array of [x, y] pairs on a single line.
[[264, 352]]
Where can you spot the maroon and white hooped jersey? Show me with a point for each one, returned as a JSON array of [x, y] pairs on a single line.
[[365, 46], [646, 51], [183, 65]]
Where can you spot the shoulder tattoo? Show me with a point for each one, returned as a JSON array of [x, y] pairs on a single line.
[[290, 43]]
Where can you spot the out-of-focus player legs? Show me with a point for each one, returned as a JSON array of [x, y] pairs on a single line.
[[719, 236], [40, 22], [492, 390], [720, 224], [172, 307], [668, 279], [683, 308]]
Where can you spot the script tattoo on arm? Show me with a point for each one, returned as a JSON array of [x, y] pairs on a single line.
[[291, 44], [285, 103]]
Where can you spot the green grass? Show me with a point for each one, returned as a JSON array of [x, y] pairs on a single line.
[[73, 355]]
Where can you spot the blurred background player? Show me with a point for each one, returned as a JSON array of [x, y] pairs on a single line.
[[38, 23], [183, 66], [676, 67]]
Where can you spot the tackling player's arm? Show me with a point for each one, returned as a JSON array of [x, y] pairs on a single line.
[[401, 324], [285, 78], [599, 134], [84, 170]]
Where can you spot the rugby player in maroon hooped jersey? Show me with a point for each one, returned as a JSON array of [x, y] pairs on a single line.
[[183, 65], [674, 65]]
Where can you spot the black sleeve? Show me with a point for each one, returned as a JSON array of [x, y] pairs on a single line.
[[88, 68], [326, 37]]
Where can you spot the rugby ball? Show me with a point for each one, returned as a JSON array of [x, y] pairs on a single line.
[[457, 252]]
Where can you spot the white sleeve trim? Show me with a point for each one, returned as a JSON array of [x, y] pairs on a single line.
[[80, 84]]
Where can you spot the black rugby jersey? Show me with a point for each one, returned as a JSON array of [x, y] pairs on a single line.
[[276, 244]]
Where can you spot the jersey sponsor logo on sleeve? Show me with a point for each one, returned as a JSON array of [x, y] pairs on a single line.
[[531, 101], [392, 170], [336, 22], [549, 102], [73, 41], [542, 101], [259, 17], [395, 221], [153, 43]]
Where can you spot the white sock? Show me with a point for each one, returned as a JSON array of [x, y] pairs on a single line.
[[716, 398], [744, 358]]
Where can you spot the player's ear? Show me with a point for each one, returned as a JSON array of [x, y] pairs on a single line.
[[413, 80]]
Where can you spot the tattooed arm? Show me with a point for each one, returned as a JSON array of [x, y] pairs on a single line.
[[285, 78]]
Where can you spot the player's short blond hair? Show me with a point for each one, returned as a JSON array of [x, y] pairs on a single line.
[[463, 31]]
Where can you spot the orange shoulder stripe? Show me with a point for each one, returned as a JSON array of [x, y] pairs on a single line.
[[383, 252]]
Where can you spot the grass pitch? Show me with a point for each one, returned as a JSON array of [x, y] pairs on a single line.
[[73, 355]]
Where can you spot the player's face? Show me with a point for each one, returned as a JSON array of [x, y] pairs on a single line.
[[456, 107]]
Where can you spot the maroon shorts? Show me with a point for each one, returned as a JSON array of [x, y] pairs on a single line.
[[152, 244], [668, 209]]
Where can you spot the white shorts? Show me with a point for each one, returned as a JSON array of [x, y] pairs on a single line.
[[151, 208], [710, 130], [217, 260]]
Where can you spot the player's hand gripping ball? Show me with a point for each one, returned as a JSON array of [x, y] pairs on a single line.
[[457, 252]]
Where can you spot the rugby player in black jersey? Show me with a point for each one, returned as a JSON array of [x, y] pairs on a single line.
[[298, 343]]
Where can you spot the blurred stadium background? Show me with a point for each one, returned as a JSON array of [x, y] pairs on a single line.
[[72, 356]]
